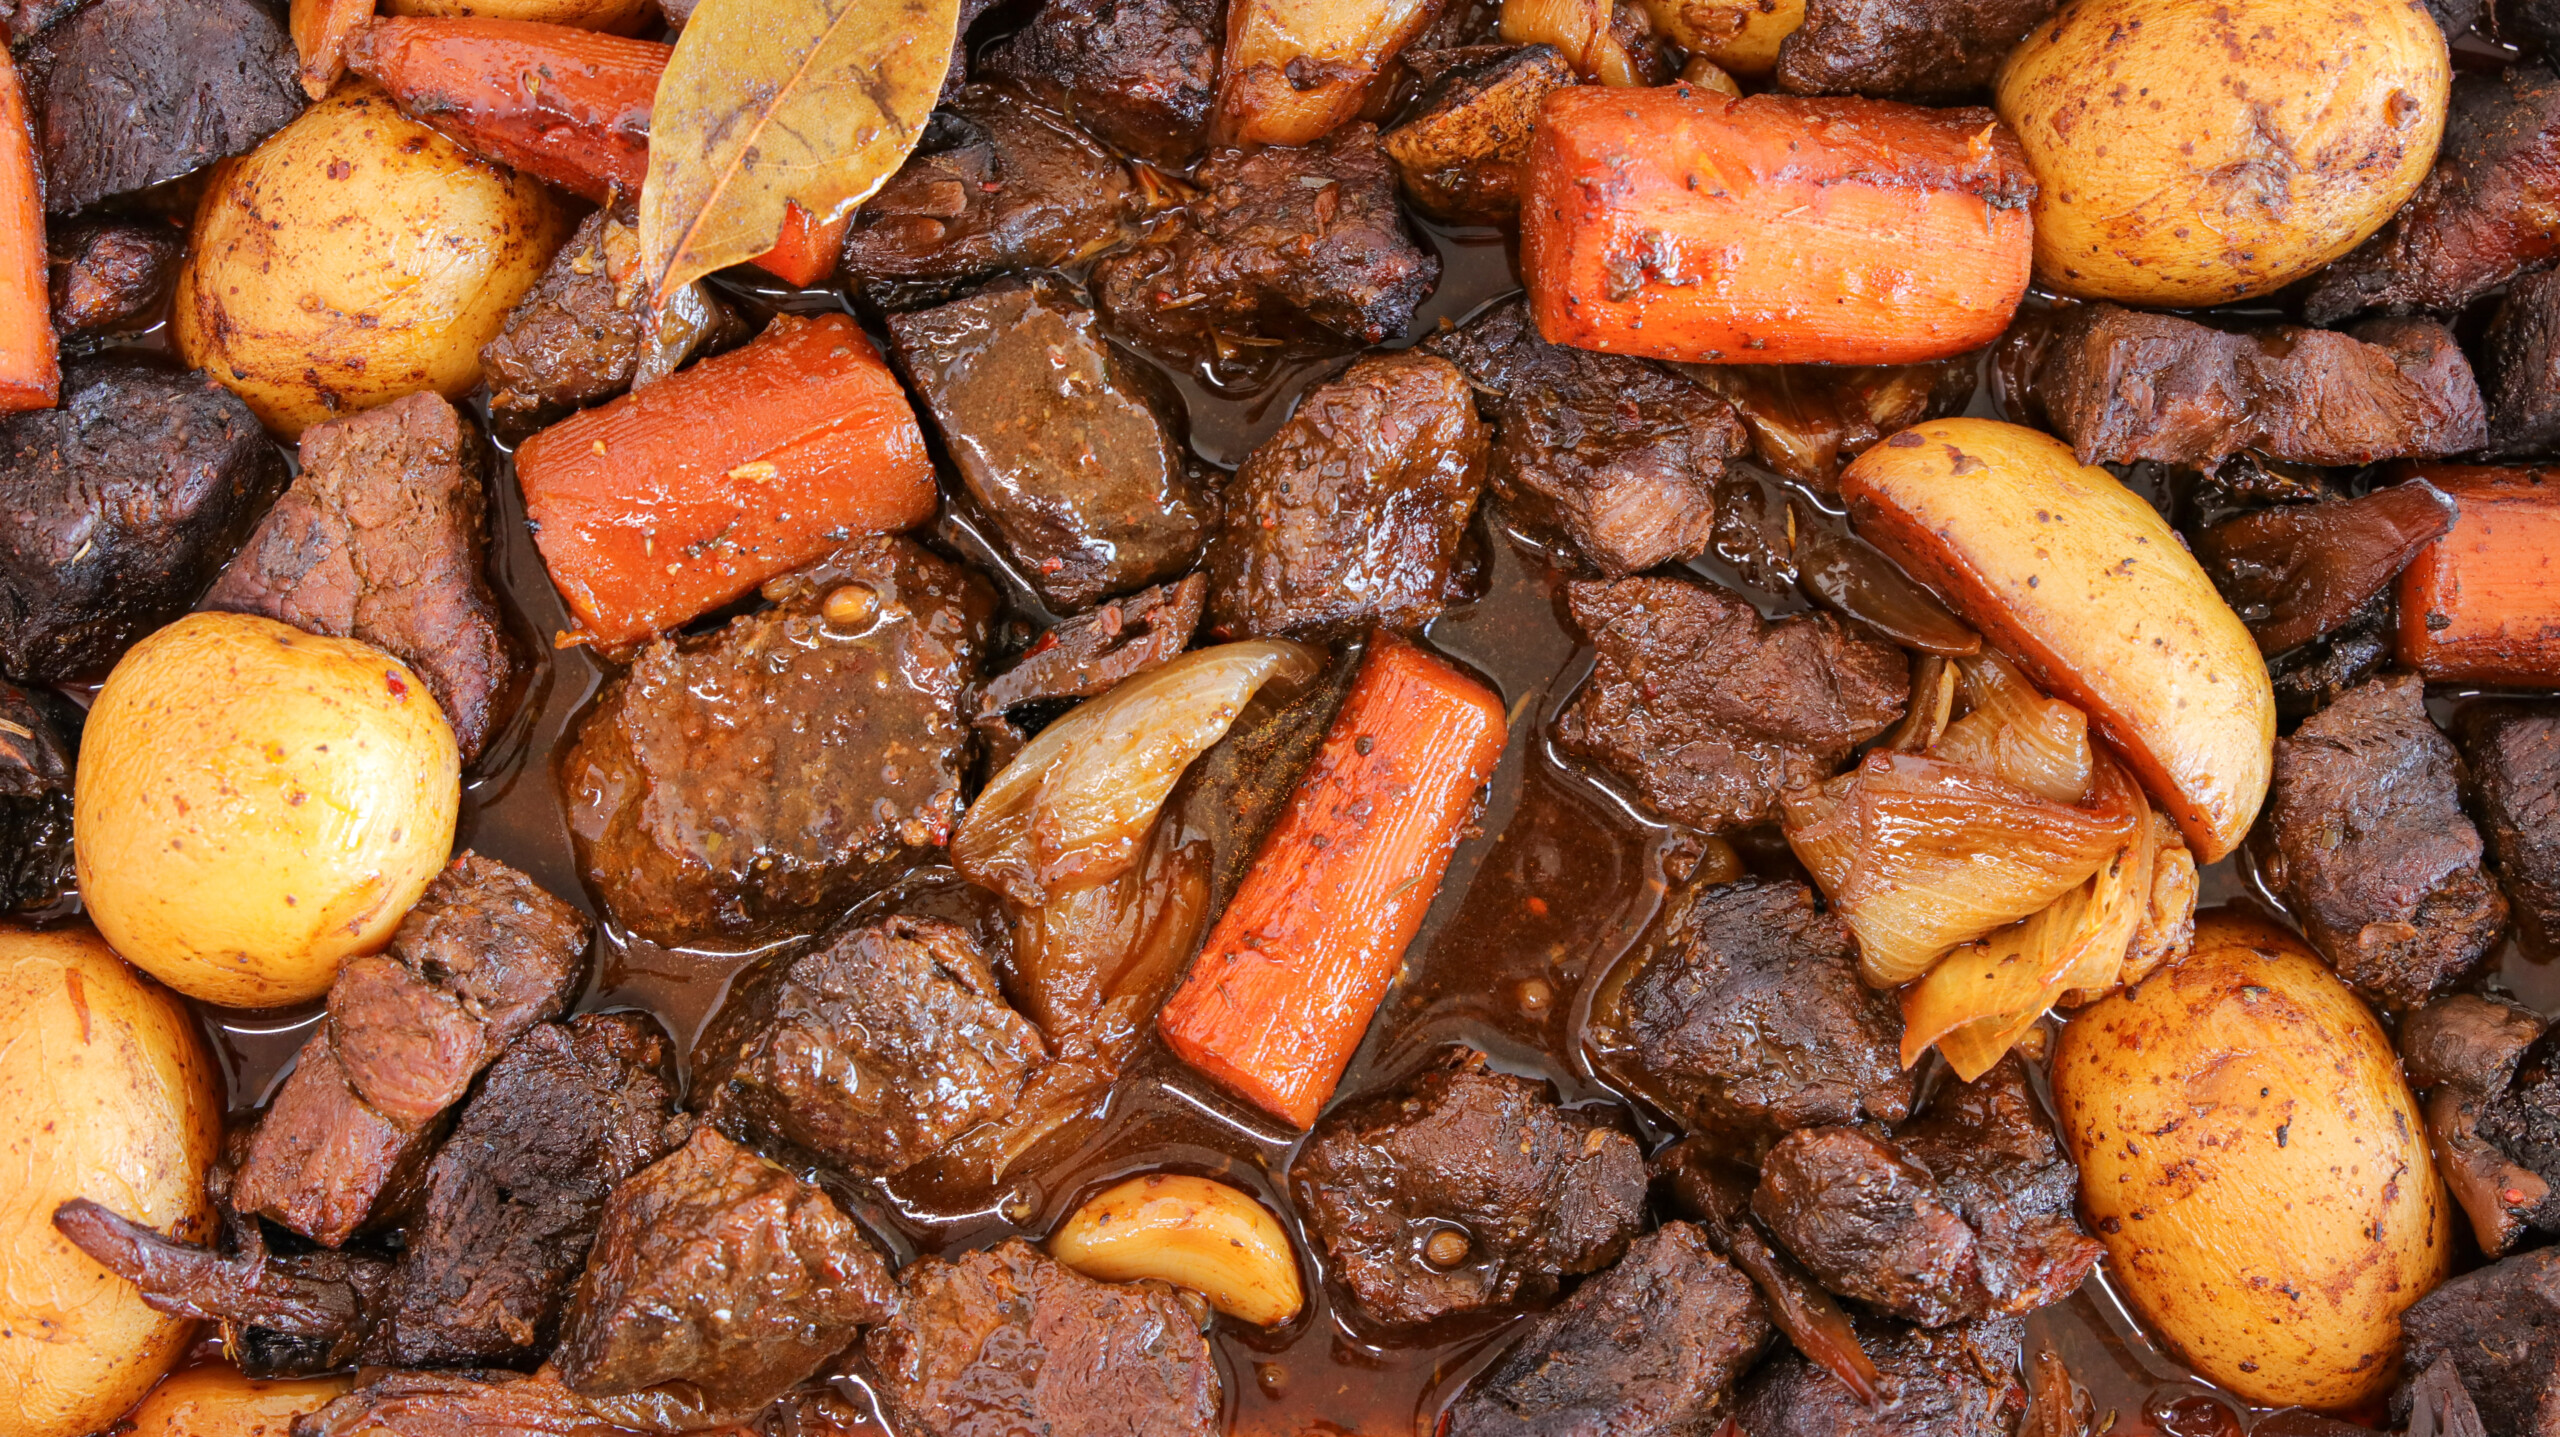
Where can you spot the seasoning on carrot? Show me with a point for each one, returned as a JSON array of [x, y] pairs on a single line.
[[1288, 980], [679, 497], [321, 29], [2482, 604], [30, 368], [1677, 223]]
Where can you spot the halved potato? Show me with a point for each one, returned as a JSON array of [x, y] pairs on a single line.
[[2083, 584]]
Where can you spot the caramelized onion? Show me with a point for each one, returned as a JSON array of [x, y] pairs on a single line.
[[1934, 681], [1582, 30], [2017, 734], [2168, 928], [1844, 573]]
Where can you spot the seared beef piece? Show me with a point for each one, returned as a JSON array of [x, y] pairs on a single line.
[[483, 956], [2515, 762], [719, 1269], [1074, 454], [1618, 455], [998, 182], [742, 781], [142, 91], [2520, 369], [1008, 1341], [382, 537], [2479, 219], [110, 277], [117, 508], [512, 1200], [1807, 421], [1957, 1381], [2439, 1405], [1293, 244], [2124, 385], [1142, 74], [581, 334], [2523, 1118], [1463, 148], [1930, 52], [1091, 653], [1537, 1191], [506, 1404], [2310, 677], [2467, 1040], [1997, 1163], [39, 742], [2501, 1328], [1351, 514], [1743, 1016], [1708, 710], [2461, 1050], [2297, 571], [2372, 848], [1649, 1348], [872, 1051], [27, 19], [1870, 1223]]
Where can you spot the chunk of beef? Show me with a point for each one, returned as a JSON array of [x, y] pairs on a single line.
[[382, 538], [2440, 1406], [1929, 52], [1618, 456], [1007, 1341], [1142, 74], [2523, 1118], [1463, 149], [1352, 513], [26, 19], [1870, 1223], [2467, 1040], [2373, 850], [2297, 571], [1649, 1348], [2479, 217], [1536, 1191], [1091, 653], [39, 744], [871, 1051], [483, 956], [1074, 454], [506, 1404], [1808, 421], [2310, 677], [1743, 1016], [2500, 1326], [1997, 1164], [2459, 1051], [1959, 1381], [110, 277], [1708, 710], [716, 1268], [2515, 762], [1291, 244], [741, 781], [582, 333], [142, 91], [999, 182], [117, 508], [2520, 369], [2124, 385]]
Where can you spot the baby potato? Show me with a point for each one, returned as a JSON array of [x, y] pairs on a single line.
[[2083, 584], [1739, 36], [105, 1093], [219, 1402], [255, 805], [2192, 154], [355, 257], [618, 17]]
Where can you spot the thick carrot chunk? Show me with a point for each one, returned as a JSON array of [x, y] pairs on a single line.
[[2482, 604], [30, 371]]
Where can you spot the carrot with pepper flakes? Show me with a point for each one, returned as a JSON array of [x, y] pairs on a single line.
[[30, 368], [2482, 604], [1678, 223], [1291, 975], [677, 498]]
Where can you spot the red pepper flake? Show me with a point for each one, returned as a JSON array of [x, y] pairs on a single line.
[[391, 681], [1537, 907]]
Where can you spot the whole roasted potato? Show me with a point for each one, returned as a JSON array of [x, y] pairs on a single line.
[[2256, 1167], [219, 1402], [355, 257], [256, 804], [105, 1093], [619, 17], [2192, 154]]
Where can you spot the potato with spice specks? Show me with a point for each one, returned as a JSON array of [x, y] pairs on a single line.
[[217, 1401]]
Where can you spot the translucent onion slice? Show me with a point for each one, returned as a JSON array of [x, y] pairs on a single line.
[[2016, 733], [1580, 29], [2168, 931]]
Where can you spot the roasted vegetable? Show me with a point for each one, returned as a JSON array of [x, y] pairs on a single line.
[[1464, 149], [216, 1401], [30, 376], [1294, 69], [2481, 604]]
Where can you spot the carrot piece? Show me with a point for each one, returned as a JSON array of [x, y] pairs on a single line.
[[569, 107], [1678, 223], [2482, 604], [321, 29], [1288, 980], [807, 252], [679, 497], [30, 368]]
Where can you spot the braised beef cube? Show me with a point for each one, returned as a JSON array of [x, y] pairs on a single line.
[[999, 182], [1649, 1348], [2439, 1405], [1929, 52], [1465, 1189], [1093, 652], [716, 1268], [142, 91], [2523, 1119], [2515, 762], [26, 19], [2462, 1050], [738, 782], [2310, 677], [2468, 1040], [582, 333], [2372, 848], [1743, 1015], [1464, 149], [1074, 454], [1141, 74], [110, 278], [1007, 1340], [503, 1404], [1997, 1163], [1352, 513], [1710, 711], [2297, 571], [2500, 1326], [2520, 369], [1290, 244], [119, 507], [872, 1051], [1870, 1223], [1959, 1381], [39, 746], [382, 537]]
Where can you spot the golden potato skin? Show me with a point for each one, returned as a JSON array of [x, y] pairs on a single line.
[[2256, 1167], [619, 17], [105, 1093], [255, 804], [1740, 36], [355, 257], [2082, 583], [2191, 154], [217, 1401]]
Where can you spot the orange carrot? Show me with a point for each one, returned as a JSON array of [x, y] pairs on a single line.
[[807, 252], [2482, 604], [321, 29], [30, 370], [1288, 980], [677, 498], [1679, 223]]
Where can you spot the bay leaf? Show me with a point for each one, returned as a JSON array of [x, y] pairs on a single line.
[[767, 102]]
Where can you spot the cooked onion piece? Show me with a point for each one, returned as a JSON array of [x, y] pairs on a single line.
[[1190, 1232], [2016, 733]]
